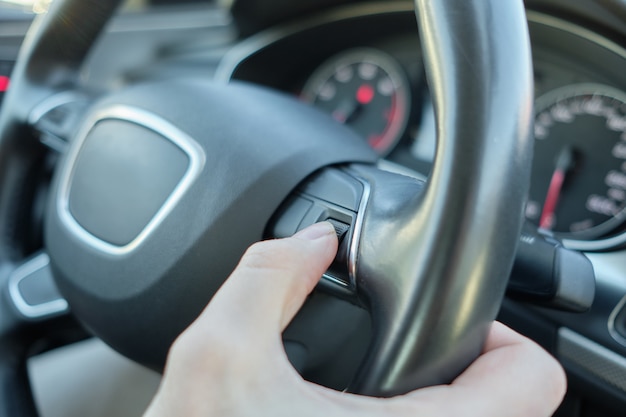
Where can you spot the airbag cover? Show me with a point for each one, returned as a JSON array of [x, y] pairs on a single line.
[[122, 178]]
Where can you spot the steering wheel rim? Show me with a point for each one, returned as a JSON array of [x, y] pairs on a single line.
[[482, 91], [498, 150]]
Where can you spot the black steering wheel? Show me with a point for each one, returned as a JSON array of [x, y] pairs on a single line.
[[162, 186]]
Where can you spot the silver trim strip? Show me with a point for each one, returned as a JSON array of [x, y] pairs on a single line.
[[358, 225], [557, 23], [355, 238], [611, 323], [595, 359], [40, 311], [52, 102], [335, 281], [194, 151]]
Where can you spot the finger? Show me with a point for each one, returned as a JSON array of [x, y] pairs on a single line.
[[271, 283], [526, 379], [513, 377]]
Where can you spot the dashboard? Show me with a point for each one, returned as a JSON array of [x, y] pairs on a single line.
[[373, 81], [362, 64]]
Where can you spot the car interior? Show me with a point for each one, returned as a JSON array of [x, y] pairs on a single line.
[[471, 156]]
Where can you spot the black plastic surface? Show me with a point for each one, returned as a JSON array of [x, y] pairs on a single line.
[[576, 281], [547, 274], [289, 216], [533, 270], [334, 187]]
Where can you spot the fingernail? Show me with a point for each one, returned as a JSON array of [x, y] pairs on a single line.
[[316, 231]]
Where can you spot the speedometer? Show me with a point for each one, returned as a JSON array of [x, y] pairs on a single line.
[[365, 89], [578, 185]]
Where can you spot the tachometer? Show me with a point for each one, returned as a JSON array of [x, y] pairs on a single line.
[[578, 185], [367, 90]]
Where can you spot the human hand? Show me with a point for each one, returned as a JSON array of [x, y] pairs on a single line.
[[231, 361]]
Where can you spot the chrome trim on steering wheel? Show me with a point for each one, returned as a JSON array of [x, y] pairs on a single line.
[[358, 226], [189, 146]]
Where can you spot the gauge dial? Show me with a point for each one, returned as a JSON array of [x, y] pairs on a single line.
[[365, 89], [578, 185]]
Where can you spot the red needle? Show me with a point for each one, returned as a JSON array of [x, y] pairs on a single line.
[[4, 83], [563, 164]]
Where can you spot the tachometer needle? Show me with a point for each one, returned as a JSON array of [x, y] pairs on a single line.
[[563, 164], [346, 111]]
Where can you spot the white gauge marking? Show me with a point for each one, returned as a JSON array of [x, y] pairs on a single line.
[[344, 74], [367, 70]]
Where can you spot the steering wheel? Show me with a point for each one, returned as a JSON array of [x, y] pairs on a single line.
[[162, 186]]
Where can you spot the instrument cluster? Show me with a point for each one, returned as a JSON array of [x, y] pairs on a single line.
[[376, 85]]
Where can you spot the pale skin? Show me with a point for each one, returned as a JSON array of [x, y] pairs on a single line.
[[231, 361]]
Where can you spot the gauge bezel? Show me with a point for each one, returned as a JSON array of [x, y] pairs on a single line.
[[394, 70], [552, 98]]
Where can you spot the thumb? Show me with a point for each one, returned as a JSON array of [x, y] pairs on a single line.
[[271, 283]]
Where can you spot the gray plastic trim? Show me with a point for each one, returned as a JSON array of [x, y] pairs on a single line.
[[593, 358], [39, 311], [194, 151]]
